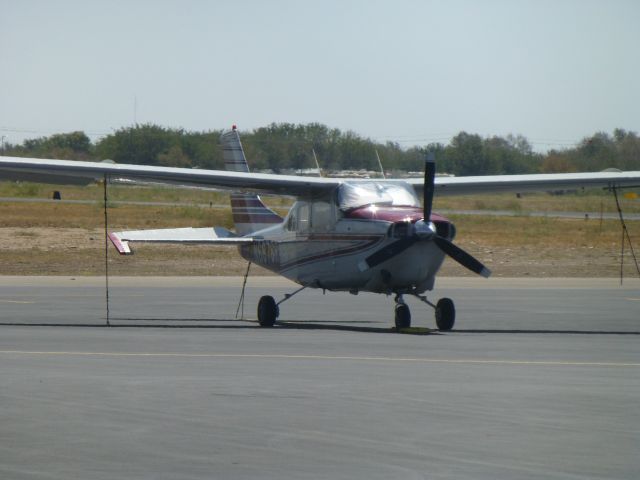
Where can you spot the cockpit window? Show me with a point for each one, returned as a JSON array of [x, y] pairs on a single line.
[[354, 195]]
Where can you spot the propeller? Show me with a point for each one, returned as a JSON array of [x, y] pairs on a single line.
[[429, 183], [458, 254]]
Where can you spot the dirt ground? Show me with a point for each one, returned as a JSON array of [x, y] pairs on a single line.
[[80, 251]]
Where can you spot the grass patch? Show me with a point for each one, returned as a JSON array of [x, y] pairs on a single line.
[[67, 239], [587, 201], [26, 234], [123, 193], [592, 200]]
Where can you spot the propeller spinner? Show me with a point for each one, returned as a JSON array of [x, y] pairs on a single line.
[[458, 254]]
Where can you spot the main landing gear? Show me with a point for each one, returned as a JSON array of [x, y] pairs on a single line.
[[269, 310], [445, 312]]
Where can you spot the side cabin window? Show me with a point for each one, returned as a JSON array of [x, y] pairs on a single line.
[[322, 218], [298, 219], [304, 217]]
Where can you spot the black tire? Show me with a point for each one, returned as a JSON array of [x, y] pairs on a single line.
[[445, 314], [403, 316], [267, 311]]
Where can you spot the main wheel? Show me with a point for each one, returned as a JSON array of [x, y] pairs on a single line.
[[403, 316], [445, 314], [267, 311]]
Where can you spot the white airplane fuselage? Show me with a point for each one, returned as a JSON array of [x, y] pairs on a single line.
[[331, 255]]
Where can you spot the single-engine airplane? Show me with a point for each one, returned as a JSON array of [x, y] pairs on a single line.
[[350, 235]]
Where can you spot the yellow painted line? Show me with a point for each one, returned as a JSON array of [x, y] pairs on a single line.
[[325, 357], [633, 299]]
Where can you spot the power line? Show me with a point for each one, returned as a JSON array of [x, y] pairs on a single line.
[[415, 139], [49, 132]]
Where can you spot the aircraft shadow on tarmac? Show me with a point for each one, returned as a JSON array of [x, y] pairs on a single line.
[[556, 332], [228, 323], [355, 326]]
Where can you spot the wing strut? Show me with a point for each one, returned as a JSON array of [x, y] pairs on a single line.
[[241, 300], [625, 233]]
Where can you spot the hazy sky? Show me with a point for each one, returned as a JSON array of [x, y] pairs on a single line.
[[407, 71]]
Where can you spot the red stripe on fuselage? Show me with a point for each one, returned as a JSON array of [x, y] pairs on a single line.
[[330, 254], [361, 243], [391, 214]]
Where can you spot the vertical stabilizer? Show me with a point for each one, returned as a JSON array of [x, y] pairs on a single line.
[[249, 213]]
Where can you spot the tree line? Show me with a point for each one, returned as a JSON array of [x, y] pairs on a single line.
[[283, 146]]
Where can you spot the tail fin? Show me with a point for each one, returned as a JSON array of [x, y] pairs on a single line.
[[249, 213]]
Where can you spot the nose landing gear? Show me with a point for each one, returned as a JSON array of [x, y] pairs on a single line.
[[402, 313], [445, 312]]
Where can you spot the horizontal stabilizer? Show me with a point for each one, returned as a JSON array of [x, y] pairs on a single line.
[[210, 235]]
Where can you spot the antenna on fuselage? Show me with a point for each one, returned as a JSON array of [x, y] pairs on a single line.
[[317, 164], [380, 164]]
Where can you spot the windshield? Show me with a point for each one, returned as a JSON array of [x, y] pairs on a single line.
[[353, 195]]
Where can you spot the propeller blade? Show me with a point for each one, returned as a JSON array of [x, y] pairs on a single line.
[[387, 252], [429, 180], [462, 257]]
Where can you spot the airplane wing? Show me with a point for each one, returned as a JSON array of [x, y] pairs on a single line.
[[530, 183], [57, 171], [211, 235], [70, 171]]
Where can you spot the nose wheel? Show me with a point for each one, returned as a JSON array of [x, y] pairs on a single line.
[[402, 313]]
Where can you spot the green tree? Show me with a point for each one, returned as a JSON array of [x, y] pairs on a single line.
[[140, 144], [557, 162], [628, 147], [281, 146], [597, 153], [465, 154], [71, 146], [174, 157]]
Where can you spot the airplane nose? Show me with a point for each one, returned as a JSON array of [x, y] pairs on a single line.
[[424, 230]]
